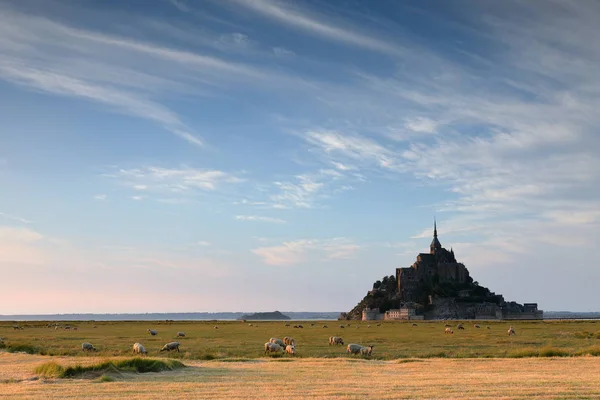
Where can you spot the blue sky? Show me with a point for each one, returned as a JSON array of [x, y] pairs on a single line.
[[261, 154]]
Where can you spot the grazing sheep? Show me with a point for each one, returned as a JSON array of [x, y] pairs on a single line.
[[300, 326], [290, 349], [368, 326], [414, 324], [358, 349], [249, 324], [447, 326], [152, 332], [215, 327], [324, 326], [335, 340], [511, 331], [170, 346], [75, 328], [277, 341], [17, 327], [448, 330], [295, 326], [138, 348], [488, 327], [85, 346], [460, 326], [366, 351], [312, 324], [287, 324], [378, 324], [288, 341], [348, 324], [342, 326], [475, 326], [273, 348], [180, 334]]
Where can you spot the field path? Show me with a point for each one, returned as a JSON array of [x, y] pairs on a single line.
[[526, 378]]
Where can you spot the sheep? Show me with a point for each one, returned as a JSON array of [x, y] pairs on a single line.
[[378, 324], [85, 346], [287, 324], [488, 327], [460, 326], [180, 334], [138, 348], [300, 326], [476, 326], [414, 324], [289, 341], [358, 349], [215, 327], [312, 324], [368, 326], [170, 346], [325, 326], [511, 331], [335, 340], [277, 341], [366, 351], [342, 326], [447, 325], [448, 330], [273, 348], [290, 349], [152, 332]]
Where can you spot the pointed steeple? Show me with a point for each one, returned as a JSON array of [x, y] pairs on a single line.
[[435, 243]]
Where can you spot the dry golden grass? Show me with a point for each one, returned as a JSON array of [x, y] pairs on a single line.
[[527, 378]]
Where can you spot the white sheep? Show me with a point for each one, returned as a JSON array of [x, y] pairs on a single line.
[[277, 341], [180, 334], [152, 332], [290, 349], [215, 327], [289, 341], [324, 326], [475, 326], [273, 348], [448, 330], [358, 349], [366, 351], [460, 326], [335, 340], [85, 346], [138, 348], [511, 331], [170, 346]]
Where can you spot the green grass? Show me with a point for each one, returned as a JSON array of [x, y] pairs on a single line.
[[139, 365], [236, 340]]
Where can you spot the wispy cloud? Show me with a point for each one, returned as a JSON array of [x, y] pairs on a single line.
[[15, 218], [298, 251], [100, 197], [259, 218], [283, 52], [292, 16], [180, 5]]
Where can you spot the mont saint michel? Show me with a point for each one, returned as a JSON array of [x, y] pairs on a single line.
[[437, 286]]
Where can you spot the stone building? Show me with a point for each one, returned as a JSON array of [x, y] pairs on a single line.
[[439, 264]]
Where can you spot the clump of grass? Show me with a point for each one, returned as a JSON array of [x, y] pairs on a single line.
[[105, 378], [553, 352], [139, 365], [439, 354], [408, 360], [24, 348], [523, 353], [591, 351]]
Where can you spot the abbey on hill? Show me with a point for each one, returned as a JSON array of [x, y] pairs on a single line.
[[436, 286]]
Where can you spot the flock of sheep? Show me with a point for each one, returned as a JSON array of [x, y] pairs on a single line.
[[274, 345], [139, 348]]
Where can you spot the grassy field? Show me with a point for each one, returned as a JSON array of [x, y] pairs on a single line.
[[237, 340], [307, 378]]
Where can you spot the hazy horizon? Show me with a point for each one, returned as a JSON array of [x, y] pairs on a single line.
[[277, 154]]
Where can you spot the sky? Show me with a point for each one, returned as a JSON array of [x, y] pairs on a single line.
[[260, 155]]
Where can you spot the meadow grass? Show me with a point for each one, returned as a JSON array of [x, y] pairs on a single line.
[[307, 378], [240, 341]]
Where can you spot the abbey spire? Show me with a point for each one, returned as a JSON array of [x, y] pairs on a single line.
[[435, 243]]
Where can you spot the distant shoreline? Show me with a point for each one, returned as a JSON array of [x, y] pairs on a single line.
[[231, 316]]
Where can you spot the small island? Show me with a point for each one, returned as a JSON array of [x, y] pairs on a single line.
[[265, 316]]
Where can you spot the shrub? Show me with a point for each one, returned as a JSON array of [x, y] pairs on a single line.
[[139, 365], [24, 348]]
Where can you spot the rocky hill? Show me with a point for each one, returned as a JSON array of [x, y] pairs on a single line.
[[265, 316]]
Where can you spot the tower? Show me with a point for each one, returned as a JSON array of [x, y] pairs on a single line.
[[435, 243]]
